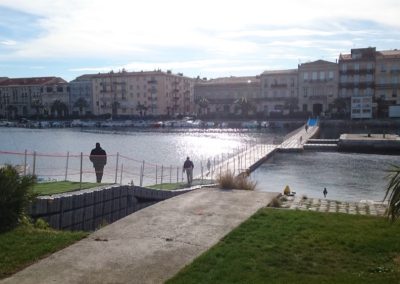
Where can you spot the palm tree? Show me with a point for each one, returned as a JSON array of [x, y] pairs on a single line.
[[81, 104], [59, 107], [141, 109], [245, 105], [393, 193], [37, 105], [203, 104]]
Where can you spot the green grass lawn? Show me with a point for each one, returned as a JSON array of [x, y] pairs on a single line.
[[25, 245], [168, 186], [48, 188], [284, 246]]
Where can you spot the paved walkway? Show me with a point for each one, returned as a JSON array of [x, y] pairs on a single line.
[[151, 245], [326, 205]]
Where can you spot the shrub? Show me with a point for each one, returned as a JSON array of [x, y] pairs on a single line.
[[16, 193], [226, 180], [229, 181], [243, 182]]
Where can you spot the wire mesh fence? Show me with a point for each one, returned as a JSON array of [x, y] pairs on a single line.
[[123, 169]]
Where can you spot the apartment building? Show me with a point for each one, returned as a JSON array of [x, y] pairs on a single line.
[[81, 95], [228, 95], [279, 92], [153, 93], [357, 81], [387, 80], [318, 86], [20, 97]]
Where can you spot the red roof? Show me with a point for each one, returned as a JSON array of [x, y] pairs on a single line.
[[33, 81]]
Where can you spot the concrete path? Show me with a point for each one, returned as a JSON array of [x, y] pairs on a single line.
[[151, 245]]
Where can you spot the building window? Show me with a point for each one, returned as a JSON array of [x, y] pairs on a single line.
[[305, 92], [356, 66], [383, 68], [305, 76], [322, 75], [330, 75], [369, 66], [344, 67], [314, 76]]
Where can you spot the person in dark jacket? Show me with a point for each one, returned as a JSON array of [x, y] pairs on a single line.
[[99, 159], [188, 167]]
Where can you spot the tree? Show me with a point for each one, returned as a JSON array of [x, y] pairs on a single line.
[[81, 104], [244, 105], [59, 107], [203, 104], [37, 105], [141, 109], [16, 193], [393, 193]]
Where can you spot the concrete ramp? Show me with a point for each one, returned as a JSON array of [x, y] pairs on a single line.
[[151, 245]]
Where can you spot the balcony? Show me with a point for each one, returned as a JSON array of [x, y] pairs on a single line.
[[152, 81], [278, 86], [361, 71]]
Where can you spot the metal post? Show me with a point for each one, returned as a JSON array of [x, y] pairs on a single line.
[[177, 174], [122, 169], [141, 178], [201, 165], [66, 167], [80, 176], [170, 174], [116, 168], [156, 173], [26, 153], [234, 166], [162, 174], [34, 163]]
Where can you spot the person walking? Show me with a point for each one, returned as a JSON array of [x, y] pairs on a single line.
[[325, 192], [99, 159], [188, 168]]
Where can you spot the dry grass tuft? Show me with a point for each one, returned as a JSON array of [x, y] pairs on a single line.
[[229, 181]]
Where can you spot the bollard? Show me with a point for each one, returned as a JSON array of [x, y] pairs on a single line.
[[66, 167], [116, 168], [156, 173]]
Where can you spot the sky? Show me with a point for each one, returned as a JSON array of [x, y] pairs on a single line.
[[208, 38]]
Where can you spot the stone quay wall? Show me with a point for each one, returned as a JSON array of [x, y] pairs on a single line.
[[89, 210]]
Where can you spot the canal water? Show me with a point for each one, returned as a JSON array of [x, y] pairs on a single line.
[[346, 176]]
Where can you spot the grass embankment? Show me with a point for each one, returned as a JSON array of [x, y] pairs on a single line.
[[282, 246], [24, 245], [48, 188]]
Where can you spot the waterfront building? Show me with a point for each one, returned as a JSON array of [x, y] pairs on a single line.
[[154, 93], [228, 96], [356, 83], [81, 95], [387, 80], [279, 92], [25, 97], [318, 86]]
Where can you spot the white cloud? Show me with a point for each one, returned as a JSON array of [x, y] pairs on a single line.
[[180, 32], [8, 42]]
